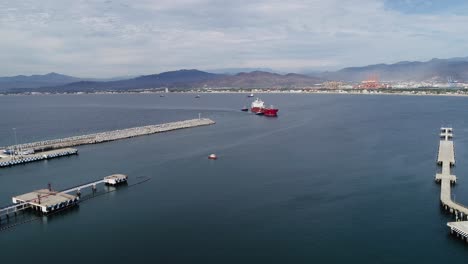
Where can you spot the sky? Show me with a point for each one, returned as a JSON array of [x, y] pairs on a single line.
[[95, 38]]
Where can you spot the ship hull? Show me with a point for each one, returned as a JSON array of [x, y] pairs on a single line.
[[270, 112], [256, 110]]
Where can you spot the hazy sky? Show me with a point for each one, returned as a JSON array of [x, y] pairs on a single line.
[[92, 38]]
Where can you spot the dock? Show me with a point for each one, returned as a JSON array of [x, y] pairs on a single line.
[[28, 152], [446, 159], [11, 160], [46, 201]]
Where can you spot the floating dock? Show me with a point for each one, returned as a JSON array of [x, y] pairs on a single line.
[[46, 201], [11, 160], [446, 159], [61, 147]]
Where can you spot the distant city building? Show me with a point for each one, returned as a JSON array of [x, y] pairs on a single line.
[[372, 83], [332, 85]]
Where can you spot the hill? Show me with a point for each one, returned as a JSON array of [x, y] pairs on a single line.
[[180, 79], [260, 79], [187, 79], [35, 81]]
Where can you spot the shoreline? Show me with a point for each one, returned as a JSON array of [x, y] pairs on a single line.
[[301, 92]]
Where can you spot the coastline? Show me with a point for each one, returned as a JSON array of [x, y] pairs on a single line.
[[455, 93]]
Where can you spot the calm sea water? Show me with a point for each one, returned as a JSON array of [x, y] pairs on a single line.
[[333, 179]]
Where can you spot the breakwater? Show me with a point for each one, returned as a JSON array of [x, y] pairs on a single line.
[[22, 159], [111, 135]]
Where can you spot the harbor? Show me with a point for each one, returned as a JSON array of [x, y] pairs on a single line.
[[29, 152], [446, 159], [274, 185]]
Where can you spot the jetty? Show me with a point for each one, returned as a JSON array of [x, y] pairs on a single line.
[[446, 159], [46, 201], [11, 160], [27, 152]]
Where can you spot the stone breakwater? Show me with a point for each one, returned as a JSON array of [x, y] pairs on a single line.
[[111, 135]]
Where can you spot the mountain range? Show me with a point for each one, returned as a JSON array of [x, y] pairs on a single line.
[[434, 70], [185, 79], [36, 81], [439, 70]]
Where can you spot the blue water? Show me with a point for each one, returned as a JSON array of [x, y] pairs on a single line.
[[333, 179]]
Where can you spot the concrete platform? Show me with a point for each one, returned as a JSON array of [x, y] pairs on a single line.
[[446, 153], [46, 201], [459, 228], [115, 179], [6, 161], [451, 178]]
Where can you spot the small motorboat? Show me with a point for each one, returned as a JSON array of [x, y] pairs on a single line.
[[250, 95], [212, 156], [197, 96], [244, 109]]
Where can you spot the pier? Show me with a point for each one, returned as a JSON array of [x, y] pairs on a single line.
[[46, 201], [11, 160], [446, 159], [34, 151]]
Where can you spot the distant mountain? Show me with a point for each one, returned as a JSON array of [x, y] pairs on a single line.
[[233, 71], [179, 79], [187, 79], [433, 70], [260, 79], [440, 70], [117, 78], [35, 81]]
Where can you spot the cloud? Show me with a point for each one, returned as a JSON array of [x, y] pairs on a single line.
[[117, 37]]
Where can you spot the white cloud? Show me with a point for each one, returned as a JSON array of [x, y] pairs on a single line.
[[116, 37]]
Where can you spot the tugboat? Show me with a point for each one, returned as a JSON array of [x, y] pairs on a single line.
[[244, 109]]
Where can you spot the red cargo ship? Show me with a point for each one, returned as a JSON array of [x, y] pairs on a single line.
[[258, 107], [270, 111]]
